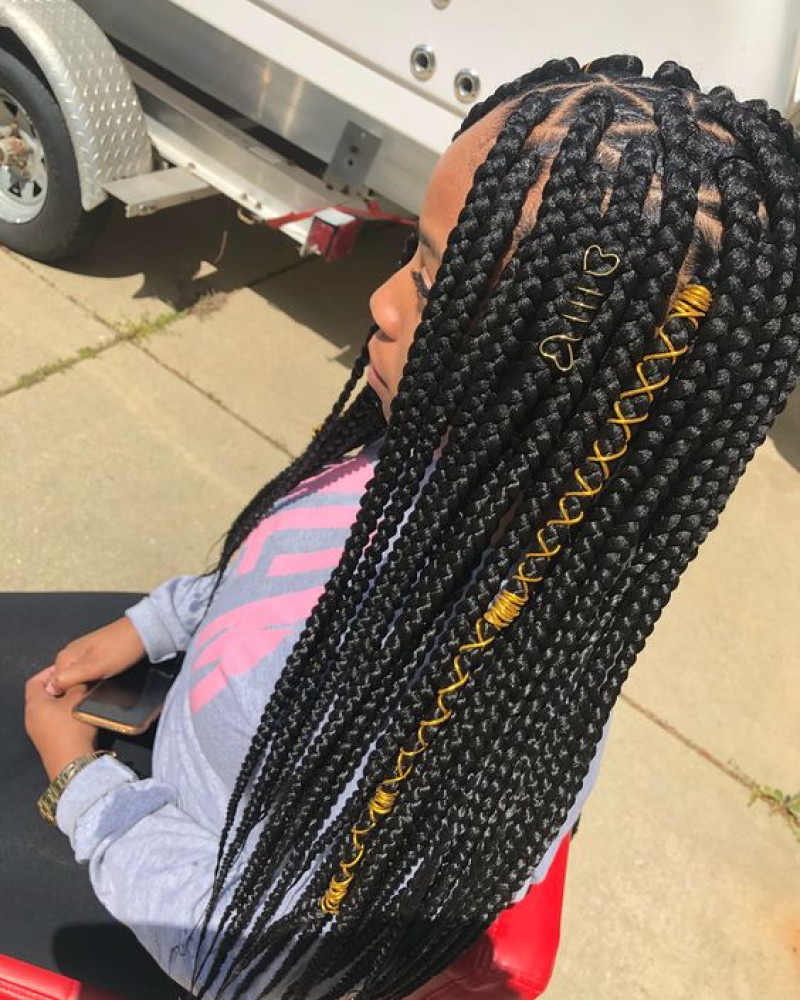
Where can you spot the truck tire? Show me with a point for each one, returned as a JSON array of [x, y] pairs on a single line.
[[41, 215]]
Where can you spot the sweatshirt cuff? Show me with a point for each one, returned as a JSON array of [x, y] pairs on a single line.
[[158, 643], [91, 783]]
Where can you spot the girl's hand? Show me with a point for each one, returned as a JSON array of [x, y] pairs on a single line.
[[105, 652], [57, 735]]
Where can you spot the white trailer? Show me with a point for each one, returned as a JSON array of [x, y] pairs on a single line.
[[292, 107]]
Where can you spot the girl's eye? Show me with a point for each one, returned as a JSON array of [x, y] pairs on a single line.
[[419, 282]]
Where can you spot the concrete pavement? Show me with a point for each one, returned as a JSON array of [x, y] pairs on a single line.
[[148, 390]]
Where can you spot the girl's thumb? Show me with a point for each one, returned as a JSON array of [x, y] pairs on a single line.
[[51, 687]]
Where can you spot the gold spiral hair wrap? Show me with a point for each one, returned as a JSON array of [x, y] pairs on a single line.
[[692, 304]]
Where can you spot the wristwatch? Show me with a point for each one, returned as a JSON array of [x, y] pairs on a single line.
[[48, 800]]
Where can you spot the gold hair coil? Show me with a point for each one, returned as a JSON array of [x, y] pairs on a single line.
[[692, 304]]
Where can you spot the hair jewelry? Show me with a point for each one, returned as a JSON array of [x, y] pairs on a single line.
[[692, 304], [597, 265], [675, 181]]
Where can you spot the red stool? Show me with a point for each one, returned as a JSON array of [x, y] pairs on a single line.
[[513, 960], [22, 981]]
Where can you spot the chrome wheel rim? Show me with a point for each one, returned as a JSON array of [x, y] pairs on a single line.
[[23, 187]]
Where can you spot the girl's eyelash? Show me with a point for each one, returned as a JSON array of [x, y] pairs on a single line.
[[422, 289]]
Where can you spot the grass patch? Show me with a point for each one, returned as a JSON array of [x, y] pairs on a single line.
[[207, 304], [126, 330], [783, 804], [44, 371], [147, 325]]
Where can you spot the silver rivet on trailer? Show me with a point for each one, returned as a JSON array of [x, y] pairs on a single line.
[[467, 85], [441, 4], [423, 62]]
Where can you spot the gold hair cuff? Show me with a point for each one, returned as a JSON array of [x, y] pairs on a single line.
[[597, 264]]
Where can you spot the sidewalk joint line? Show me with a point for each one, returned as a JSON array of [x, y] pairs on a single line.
[[26, 264], [128, 331], [217, 402], [685, 740], [133, 333]]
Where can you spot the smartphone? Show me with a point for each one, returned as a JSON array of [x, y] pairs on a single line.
[[130, 702]]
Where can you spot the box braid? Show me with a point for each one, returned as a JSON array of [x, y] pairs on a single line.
[[682, 186], [699, 514], [262, 873], [318, 641], [546, 199], [475, 272], [363, 641], [701, 477]]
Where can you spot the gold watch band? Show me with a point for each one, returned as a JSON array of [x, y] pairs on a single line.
[[48, 800]]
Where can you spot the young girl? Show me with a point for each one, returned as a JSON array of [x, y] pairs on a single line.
[[398, 677]]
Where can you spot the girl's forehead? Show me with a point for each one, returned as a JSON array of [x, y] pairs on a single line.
[[452, 176]]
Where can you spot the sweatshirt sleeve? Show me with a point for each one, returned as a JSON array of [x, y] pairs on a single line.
[[168, 617], [151, 865]]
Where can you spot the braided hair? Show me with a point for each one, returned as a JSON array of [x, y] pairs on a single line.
[[619, 447]]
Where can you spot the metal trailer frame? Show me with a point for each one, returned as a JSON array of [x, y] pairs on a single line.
[[146, 143], [323, 94], [302, 90]]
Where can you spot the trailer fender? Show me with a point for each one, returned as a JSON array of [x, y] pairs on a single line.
[[92, 87]]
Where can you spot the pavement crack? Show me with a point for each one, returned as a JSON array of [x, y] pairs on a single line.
[[134, 331], [26, 264], [685, 740], [274, 442], [302, 262], [60, 365], [128, 333]]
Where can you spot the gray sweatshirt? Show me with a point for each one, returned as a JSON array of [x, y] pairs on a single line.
[[151, 844]]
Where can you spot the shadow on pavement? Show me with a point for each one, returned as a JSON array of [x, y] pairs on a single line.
[[185, 252], [204, 249], [332, 298], [785, 432]]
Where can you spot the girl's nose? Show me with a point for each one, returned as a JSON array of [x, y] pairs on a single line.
[[385, 306]]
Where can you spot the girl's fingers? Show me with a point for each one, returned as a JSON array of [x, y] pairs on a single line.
[[48, 678], [44, 675], [67, 677]]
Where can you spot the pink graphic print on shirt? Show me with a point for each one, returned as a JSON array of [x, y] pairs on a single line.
[[239, 639]]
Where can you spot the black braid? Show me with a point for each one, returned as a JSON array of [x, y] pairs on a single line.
[[708, 495], [572, 624], [361, 648], [682, 187], [581, 447], [476, 269], [361, 720]]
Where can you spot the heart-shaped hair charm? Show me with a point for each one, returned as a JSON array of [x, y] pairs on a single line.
[[599, 264], [561, 348]]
